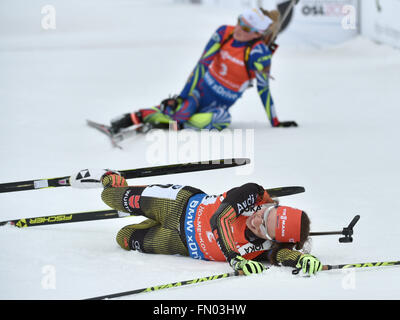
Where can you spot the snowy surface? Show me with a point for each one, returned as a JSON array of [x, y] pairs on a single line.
[[110, 57]]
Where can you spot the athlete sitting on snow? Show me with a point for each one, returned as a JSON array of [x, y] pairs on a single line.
[[233, 57], [242, 226]]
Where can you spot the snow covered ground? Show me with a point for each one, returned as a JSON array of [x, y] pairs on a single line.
[[109, 57]]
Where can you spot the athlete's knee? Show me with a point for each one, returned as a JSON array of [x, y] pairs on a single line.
[[220, 119], [154, 116], [131, 237]]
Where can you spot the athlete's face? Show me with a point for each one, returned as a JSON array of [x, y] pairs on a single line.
[[242, 35], [257, 219]]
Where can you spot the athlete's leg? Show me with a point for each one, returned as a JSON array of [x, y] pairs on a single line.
[[162, 203], [169, 110], [120, 196], [149, 237], [173, 109], [218, 119], [212, 112]]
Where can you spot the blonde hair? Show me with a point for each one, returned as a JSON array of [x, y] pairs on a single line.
[[272, 31]]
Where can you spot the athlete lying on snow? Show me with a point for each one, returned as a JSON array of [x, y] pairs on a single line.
[[242, 226]]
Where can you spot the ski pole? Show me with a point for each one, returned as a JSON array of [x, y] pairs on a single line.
[[169, 285], [361, 265], [286, 13], [355, 265], [283, 19], [347, 231]]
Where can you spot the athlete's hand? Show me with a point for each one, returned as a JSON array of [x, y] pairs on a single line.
[[309, 264], [114, 180], [169, 105], [263, 197], [287, 124], [247, 266]]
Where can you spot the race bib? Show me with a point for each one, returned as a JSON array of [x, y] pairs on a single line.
[[165, 191]]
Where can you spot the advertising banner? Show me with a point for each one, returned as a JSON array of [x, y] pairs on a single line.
[[324, 22], [311, 22]]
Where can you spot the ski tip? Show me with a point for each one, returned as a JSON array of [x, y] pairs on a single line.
[[7, 223]]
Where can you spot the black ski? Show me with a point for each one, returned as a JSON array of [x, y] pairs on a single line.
[[65, 218], [110, 214], [128, 174], [106, 130], [284, 191], [115, 138]]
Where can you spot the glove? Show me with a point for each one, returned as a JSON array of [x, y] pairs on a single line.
[[263, 197], [169, 105], [113, 180], [247, 266], [287, 124], [89, 178], [309, 264]]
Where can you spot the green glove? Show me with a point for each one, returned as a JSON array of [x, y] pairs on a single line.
[[309, 264], [247, 266]]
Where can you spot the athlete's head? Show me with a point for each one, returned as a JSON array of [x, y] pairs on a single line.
[[251, 25], [280, 223]]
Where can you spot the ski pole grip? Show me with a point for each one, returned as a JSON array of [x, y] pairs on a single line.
[[354, 221]]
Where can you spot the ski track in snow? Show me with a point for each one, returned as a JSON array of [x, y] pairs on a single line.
[[104, 63]]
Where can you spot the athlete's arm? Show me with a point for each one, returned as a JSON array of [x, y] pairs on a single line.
[[260, 63], [211, 49], [237, 201]]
